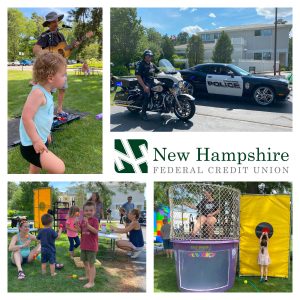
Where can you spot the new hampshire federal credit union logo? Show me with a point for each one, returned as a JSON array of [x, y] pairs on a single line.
[[131, 156]]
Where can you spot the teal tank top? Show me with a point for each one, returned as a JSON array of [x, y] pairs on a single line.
[[24, 251], [43, 119]]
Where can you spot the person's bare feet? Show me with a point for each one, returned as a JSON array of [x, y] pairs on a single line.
[[82, 278], [89, 285], [53, 274]]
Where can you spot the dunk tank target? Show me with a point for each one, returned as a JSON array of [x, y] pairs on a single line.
[[41, 204], [271, 214], [205, 235]]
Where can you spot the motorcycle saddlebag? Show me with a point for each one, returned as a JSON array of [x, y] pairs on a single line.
[[127, 82]]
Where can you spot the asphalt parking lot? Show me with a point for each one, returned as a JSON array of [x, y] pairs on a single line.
[[213, 114]]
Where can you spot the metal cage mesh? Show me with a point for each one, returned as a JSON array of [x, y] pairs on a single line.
[[202, 211]]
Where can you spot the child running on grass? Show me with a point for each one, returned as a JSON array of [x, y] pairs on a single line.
[[89, 227], [72, 232], [49, 72], [263, 256], [47, 236]]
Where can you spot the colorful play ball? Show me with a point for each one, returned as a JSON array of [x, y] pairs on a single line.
[[245, 281], [74, 276]]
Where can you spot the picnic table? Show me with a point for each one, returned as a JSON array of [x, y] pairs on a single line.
[[112, 237]]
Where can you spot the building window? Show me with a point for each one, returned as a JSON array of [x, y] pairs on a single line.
[[267, 55], [267, 32], [257, 32], [258, 56], [216, 36]]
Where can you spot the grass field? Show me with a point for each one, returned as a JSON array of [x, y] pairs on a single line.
[[79, 144], [165, 279], [116, 275]]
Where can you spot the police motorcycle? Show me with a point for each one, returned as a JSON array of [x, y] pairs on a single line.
[[167, 95]]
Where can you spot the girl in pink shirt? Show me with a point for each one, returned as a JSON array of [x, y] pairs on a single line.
[[72, 233]]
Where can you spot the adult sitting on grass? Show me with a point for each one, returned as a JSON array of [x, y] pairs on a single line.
[[20, 248], [135, 244]]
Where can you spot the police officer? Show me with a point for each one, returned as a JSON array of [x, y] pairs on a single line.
[[145, 71]]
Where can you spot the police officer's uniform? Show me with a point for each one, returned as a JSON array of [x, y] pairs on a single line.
[[147, 72]]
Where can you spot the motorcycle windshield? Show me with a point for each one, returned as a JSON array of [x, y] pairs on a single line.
[[166, 67]]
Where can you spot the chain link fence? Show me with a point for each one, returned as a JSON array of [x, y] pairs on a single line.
[[202, 211]]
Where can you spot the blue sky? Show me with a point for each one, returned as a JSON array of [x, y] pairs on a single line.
[[43, 11], [62, 185], [192, 20]]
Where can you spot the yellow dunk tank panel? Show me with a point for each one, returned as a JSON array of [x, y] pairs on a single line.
[[272, 209], [41, 204]]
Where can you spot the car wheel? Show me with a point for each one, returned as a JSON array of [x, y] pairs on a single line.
[[263, 95]]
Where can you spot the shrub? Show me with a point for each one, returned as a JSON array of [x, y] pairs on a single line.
[[119, 70]]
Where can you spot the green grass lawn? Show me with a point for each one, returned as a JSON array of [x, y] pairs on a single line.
[[78, 144], [165, 279], [35, 282]]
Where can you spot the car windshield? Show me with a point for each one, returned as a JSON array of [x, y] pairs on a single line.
[[239, 70], [166, 66]]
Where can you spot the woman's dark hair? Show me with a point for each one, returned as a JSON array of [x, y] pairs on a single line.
[[97, 197], [263, 244]]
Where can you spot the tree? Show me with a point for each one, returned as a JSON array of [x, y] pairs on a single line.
[[151, 40], [223, 49], [195, 50], [89, 51], [104, 192], [127, 186], [182, 38], [16, 27], [87, 19], [22, 198], [125, 33], [38, 25], [167, 48]]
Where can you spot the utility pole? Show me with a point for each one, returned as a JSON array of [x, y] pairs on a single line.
[[275, 42]]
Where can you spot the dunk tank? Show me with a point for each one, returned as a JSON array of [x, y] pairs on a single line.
[[205, 235]]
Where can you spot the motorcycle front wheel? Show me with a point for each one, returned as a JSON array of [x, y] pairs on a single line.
[[186, 110]]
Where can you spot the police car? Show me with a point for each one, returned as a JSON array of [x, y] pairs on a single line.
[[230, 80]]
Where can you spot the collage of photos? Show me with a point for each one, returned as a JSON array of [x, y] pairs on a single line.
[[87, 223]]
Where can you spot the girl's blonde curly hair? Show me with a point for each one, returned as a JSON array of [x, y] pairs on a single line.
[[47, 64]]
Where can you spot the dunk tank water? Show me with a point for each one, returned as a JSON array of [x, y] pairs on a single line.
[[205, 266], [205, 235]]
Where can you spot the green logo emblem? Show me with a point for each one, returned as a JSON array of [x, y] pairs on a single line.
[[131, 156]]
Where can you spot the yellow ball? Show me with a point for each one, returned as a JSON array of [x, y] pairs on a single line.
[[74, 276], [245, 281]]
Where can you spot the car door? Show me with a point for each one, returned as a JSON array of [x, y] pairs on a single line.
[[221, 80]]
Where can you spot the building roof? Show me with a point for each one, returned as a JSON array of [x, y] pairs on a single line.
[[247, 27]]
